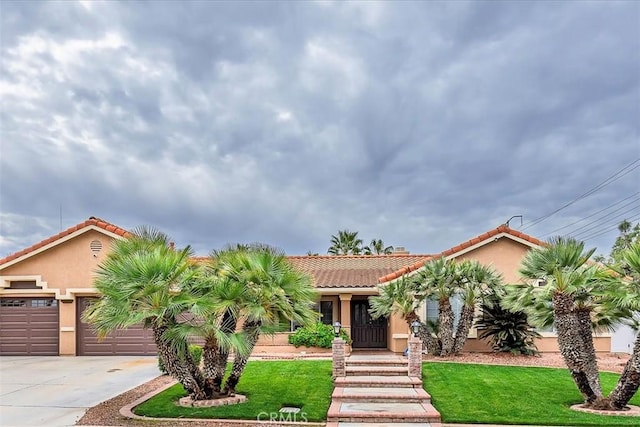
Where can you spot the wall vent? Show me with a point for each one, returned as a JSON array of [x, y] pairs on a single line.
[[96, 246]]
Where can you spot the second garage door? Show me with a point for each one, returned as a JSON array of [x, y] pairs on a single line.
[[134, 341], [29, 327]]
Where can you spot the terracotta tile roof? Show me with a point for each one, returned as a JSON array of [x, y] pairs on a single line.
[[462, 246], [92, 221], [339, 271]]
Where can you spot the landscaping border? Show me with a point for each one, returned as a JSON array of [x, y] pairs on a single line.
[[127, 411]]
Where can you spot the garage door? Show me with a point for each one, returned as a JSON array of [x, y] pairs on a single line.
[[134, 341], [29, 326]]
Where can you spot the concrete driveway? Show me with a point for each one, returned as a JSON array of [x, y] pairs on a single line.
[[56, 391]]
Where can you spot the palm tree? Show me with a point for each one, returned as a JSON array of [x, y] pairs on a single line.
[[570, 286], [144, 280], [345, 243], [629, 297], [377, 247], [273, 291], [438, 281], [399, 297], [476, 282]]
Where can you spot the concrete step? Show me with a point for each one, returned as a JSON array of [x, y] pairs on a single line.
[[365, 412], [377, 370], [378, 381], [380, 395], [369, 361]]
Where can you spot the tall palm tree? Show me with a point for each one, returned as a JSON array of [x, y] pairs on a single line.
[[628, 296], [570, 285], [144, 280], [377, 247], [345, 243]]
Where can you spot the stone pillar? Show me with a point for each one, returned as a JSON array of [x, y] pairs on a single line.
[[338, 357], [415, 356]]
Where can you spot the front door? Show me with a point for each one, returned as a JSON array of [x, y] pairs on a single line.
[[365, 331]]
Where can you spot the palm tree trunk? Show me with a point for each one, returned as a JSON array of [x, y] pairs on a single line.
[[570, 343], [429, 342], [629, 381], [215, 358], [252, 331], [445, 318], [589, 351], [464, 326], [177, 366]]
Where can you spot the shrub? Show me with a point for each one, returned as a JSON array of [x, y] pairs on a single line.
[[316, 335], [508, 331], [196, 355]]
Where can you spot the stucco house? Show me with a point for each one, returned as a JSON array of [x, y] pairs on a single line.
[[45, 287]]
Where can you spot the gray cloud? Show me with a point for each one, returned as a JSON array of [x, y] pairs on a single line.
[[424, 124]]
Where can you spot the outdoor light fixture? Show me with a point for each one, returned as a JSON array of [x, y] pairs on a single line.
[[336, 328], [415, 327]]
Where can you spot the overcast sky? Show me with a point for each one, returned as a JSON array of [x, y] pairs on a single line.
[[420, 123]]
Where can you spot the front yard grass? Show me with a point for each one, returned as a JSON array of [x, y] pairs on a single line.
[[463, 393], [268, 385], [471, 393]]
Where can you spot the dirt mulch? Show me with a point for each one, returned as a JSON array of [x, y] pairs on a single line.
[[606, 362], [107, 413]]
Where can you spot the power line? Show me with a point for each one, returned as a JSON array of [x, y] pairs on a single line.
[[619, 174], [601, 232], [633, 210], [595, 213]]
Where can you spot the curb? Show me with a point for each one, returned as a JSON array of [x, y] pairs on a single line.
[[127, 411]]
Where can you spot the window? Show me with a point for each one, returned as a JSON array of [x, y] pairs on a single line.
[[23, 284], [38, 303], [13, 303], [433, 309], [326, 310]]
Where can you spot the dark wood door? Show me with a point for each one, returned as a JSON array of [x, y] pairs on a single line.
[[365, 331]]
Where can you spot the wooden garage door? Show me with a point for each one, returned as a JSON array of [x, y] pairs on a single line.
[[29, 326], [134, 341]]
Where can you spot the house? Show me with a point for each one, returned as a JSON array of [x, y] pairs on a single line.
[[45, 288]]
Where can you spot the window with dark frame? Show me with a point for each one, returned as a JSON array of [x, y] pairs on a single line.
[[326, 310]]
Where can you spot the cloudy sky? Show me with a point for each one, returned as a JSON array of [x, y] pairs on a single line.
[[421, 123]]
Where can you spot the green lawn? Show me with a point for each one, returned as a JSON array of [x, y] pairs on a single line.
[[469, 393], [463, 393], [268, 385]]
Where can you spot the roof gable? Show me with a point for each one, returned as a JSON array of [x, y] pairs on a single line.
[[92, 223], [469, 245]]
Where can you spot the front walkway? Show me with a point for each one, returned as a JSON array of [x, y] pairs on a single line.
[[377, 391]]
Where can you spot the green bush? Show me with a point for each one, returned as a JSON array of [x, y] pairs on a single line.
[[196, 355], [317, 335], [506, 330]]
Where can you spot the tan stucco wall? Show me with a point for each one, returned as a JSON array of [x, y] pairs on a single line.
[[67, 265], [504, 255], [67, 269]]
